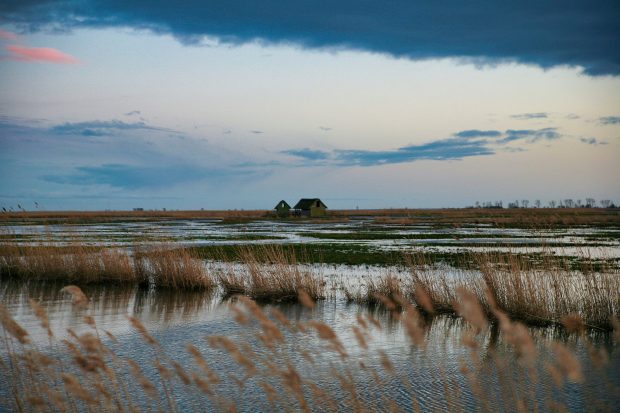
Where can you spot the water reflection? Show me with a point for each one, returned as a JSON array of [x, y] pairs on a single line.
[[442, 374]]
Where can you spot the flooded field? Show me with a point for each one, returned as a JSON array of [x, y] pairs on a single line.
[[438, 372], [411, 316]]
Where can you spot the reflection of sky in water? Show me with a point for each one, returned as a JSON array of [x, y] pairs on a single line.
[[176, 318], [569, 242]]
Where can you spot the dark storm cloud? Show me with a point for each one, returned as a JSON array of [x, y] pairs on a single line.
[[552, 33]]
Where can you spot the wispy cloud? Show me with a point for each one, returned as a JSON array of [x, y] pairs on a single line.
[[135, 176], [576, 34], [8, 36], [460, 145], [306, 153], [38, 55], [528, 116], [592, 141], [530, 135], [475, 133], [445, 149], [609, 120], [99, 128]]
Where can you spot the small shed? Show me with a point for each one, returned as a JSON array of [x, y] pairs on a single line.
[[310, 207], [282, 209]]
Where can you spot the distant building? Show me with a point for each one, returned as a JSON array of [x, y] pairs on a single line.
[[310, 207], [138, 209], [282, 209]]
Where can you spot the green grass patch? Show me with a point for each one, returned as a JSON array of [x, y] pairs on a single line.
[[391, 235], [355, 254]]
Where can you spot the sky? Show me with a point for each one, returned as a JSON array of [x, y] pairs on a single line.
[[236, 104]]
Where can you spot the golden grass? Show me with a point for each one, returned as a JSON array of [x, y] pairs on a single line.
[[540, 294], [511, 284], [279, 280], [173, 268], [522, 217], [387, 290], [72, 264], [89, 375], [165, 266]]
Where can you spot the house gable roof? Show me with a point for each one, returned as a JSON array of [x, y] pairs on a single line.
[[282, 204], [307, 203]]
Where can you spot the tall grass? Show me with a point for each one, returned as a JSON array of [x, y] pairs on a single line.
[[73, 263], [87, 372], [387, 290], [540, 293], [281, 279], [165, 266], [539, 296], [174, 268]]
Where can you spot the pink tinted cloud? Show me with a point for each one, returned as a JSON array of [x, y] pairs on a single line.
[[39, 54], [4, 35]]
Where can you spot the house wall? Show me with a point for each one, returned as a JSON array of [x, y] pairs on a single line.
[[282, 212], [317, 211]]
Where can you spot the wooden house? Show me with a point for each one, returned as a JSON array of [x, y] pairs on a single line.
[[282, 209], [310, 207]]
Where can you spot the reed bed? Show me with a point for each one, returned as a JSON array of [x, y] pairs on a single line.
[[281, 279], [74, 263], [87, 372], [514, 285], [168, 267], [386, 290], [537, 293], [524, 292]]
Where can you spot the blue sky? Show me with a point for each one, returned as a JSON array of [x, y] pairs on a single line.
[[224, 105]]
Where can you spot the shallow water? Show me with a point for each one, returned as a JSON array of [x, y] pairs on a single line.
[[575, 241], [421, 373]]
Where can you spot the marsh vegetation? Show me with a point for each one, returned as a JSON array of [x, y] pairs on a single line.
[[345, 313]]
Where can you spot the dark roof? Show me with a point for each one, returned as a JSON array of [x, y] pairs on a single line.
[[286, 205], [306, 203]]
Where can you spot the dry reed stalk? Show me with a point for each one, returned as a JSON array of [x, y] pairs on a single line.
[[281, 279], [232, 282], [78, 298], [174, 268], [137, 324], [545, 296], [12, 327], [325, 332], [387, 291], [271, 334], [233, 350], [76, 262], [533, 295]]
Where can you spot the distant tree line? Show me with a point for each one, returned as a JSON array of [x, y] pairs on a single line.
[[562, 203]]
